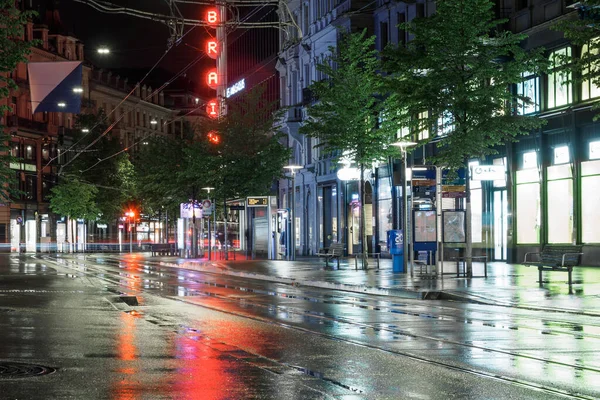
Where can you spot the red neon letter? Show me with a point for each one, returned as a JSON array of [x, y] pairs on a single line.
[[212, 108], [212, 79], [212, 49], [211, 16]]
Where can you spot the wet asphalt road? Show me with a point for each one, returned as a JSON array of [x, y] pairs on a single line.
[[67, 333]]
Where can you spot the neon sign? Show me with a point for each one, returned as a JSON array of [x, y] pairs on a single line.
[[237, 87], [212, 79], [212, 48], [212, 16], [212, 108]]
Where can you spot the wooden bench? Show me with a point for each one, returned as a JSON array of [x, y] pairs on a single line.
[[335, 250], [555, 258], [162, 249]]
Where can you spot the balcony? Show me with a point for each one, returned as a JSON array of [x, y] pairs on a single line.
[[25, 123]]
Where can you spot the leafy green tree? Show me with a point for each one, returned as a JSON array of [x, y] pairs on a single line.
[[460, 68], [76, 200], [101, 162], [581, 28], [13, 50], [345, 116]]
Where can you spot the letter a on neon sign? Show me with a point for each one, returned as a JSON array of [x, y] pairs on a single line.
[[212, 79]]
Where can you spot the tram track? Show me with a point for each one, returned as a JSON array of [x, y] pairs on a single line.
[[123, 279]]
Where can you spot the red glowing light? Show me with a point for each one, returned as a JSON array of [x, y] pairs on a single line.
[[212, 16], [212, 108], [213, 137], [212, 48], [212, 79]]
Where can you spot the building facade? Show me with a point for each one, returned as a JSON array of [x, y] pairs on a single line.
[[552, 176]]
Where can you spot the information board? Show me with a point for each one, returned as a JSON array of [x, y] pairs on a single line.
[[454, 226], [425, 226]]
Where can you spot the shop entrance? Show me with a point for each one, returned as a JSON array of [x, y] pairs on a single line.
[[500, 218]]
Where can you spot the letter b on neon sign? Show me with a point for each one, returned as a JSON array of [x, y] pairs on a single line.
[[212, 17]]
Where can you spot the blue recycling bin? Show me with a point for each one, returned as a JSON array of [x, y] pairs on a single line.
[[395, 243]]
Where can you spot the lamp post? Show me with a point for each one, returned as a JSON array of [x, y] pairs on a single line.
[[130, 214], [292, 246], [212, 204], [404, 144]]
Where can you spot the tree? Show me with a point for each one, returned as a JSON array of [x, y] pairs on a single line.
[[345, 116], [581, 29], [100, 162], [457, 74], [76, 200], [13, 50]]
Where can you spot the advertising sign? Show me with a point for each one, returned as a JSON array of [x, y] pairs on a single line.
[[454, 226], [185, 210], [488, 173]]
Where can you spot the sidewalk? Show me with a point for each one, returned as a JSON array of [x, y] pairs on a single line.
[[510, 285]]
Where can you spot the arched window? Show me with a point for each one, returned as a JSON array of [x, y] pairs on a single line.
[[560, 87]]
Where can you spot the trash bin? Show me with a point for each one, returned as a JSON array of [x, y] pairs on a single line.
[[395, 242]]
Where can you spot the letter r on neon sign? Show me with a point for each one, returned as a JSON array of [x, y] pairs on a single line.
[[211, 47]]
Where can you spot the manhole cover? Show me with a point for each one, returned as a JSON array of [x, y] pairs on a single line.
[[9, 370]]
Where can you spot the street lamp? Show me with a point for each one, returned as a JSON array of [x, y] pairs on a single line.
[[292, 242], [208, 189], [103, 50], [404, 144]]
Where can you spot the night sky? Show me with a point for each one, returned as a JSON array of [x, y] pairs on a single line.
[[134, 42]]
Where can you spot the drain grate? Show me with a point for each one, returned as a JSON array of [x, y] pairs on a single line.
[[10, 370]]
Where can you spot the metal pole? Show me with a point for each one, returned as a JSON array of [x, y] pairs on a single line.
[[293, 216], [405, 213], [130, 236], [215, 224]]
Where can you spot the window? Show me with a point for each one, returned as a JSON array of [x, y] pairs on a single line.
[[561, 155], [528, 207], [383, 34], [445, 124], [594, 150], [590, 198], [476, 207], [559, 85], [529, 91], [423, 127], [401, 31], [560, 204], [589, 89], [530, 160]]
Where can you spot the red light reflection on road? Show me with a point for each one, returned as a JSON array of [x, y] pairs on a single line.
[[128, 386]]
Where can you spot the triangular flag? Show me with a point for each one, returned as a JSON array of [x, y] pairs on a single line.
[[54, 86]]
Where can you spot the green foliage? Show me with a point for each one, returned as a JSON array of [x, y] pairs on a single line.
[[13, 50], [75, 199], [345, 116], [581, 28], [460, 67], [103, 165]]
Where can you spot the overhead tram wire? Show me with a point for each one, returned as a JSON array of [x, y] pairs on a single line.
[[191, 64], [121, 102]]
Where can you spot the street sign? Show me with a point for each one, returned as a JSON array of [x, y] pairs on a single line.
[[238, 208], [206, 204]]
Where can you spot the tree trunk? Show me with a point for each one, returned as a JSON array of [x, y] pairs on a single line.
[[362, 216], [468, 232]]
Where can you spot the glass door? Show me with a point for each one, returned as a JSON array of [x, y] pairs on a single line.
[[500, 221]]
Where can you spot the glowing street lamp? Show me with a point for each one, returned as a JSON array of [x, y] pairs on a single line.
[[103, 50]]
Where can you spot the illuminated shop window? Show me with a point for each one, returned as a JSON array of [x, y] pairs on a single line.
[[559, 85], [590, 198], [594, 150], [530, 160], [528, 201], [561, 155], [560, 203]]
